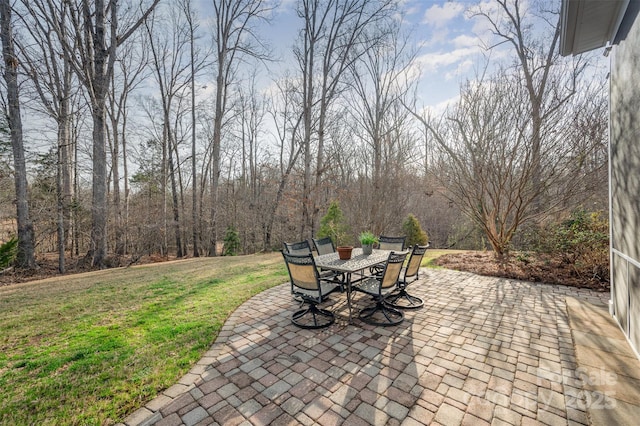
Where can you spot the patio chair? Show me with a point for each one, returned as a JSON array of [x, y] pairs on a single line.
[[301, 247], [391, 243], [324, 245], [311, 289], [400, 299], [388, 243], [379, 287]]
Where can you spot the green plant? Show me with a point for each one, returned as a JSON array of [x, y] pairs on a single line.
[[333, 225], [8, 252], [413, 231], [231, 242], [367, 238], [581, 241]]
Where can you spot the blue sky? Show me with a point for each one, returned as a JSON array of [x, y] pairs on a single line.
[[446, 40]]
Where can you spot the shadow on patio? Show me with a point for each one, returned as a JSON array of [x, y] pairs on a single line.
[[481, 350]]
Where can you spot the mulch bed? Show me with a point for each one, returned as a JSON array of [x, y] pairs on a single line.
[[532, 267]]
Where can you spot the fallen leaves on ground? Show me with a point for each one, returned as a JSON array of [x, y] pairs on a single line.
[[526, 267]]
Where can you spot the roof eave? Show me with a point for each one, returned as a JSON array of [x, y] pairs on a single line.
[[588, 24]]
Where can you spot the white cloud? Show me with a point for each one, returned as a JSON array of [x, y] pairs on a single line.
[[410, 7], [434, 62], [439, 16], [440, 108], [461, 70], [465, 41]]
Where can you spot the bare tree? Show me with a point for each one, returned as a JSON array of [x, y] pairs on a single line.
[[128, 74], [234, 37], [89, 35], [488, 163], [550, 81], [287, 120], [251, 112], [25, 257], [52, 79], [194, 54], [169, 40], [335, 34], [379, 82]]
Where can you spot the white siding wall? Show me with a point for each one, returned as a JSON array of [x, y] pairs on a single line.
[[625, 183]]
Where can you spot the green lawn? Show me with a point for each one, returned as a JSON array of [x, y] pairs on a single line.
[[432, 254], [92, 348]]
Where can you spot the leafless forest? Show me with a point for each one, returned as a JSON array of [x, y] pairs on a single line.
[[150, 127]]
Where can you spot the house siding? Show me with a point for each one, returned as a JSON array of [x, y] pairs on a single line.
[[625, 183]]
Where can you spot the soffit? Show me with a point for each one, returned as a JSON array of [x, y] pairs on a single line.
[[589, 24]]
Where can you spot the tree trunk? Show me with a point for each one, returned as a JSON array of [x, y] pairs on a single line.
[[125, 171], [215, 153], [99, 186], [174, 198], [99, 84], [115, 167], [194, 196], [60, 212], [25, 257]]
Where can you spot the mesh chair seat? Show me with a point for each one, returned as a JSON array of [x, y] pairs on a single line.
[[391, 243], [325, 289], [371, 286], [325, 246], [400, 299], [311, 289], [382, 314], [301, 247], [388, 243]]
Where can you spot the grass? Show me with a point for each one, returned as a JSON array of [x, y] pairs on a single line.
[[430, 256], [92, 348]]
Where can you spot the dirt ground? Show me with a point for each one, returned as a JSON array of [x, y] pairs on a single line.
[[529, 268], [536, 268]]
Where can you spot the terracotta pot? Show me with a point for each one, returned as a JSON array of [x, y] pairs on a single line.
[[344, 252]]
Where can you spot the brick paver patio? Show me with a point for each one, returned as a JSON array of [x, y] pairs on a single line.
[[481, 351]]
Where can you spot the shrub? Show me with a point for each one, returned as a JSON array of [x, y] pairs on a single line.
[[8, 252], [231, 242], [413, 231], [333, 225], [581, 241]]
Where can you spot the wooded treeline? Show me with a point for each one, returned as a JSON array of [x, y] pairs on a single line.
[[166, 123]]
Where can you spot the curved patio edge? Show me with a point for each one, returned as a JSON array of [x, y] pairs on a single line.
[[481, 349], [150, 414]]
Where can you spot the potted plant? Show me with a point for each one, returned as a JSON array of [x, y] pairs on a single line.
[[367, 239], [344, 244]]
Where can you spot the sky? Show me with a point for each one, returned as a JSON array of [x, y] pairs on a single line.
[[446, 39]]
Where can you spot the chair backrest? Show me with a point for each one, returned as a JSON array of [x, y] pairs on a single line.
[[413, 266], [391, 243], [301, 247], [392, 269], [324, 245], [302, 271]]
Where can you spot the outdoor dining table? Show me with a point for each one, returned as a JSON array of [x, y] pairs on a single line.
[[358, 263]]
